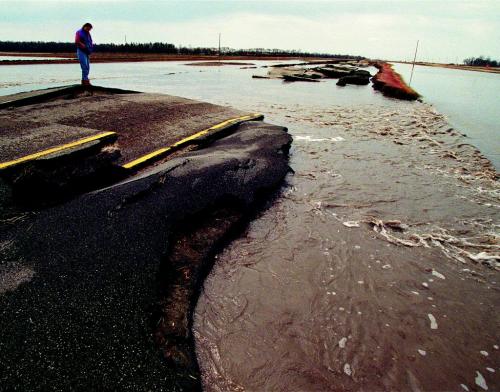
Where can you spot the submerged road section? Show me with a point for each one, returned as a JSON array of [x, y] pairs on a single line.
[[376, 270], [100, 263]]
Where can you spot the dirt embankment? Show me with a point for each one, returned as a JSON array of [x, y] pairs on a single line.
[[454, 66], [391, 84]]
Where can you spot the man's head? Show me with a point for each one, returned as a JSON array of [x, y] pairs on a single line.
[[87, 27]]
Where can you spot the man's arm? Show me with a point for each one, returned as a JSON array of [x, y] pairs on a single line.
[[79, 42]]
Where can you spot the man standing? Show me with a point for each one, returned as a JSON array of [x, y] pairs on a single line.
[[84, 46]]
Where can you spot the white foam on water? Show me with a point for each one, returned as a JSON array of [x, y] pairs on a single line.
[[464, 387], [416, 292], [485, 353], [347, 369], [351, 224], [422, 352], [342, 342], [309, 138], [433, 321], [437, 274], [480, 381], [491, 370]]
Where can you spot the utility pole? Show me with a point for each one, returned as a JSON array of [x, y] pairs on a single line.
[[219, 45], [125, 39], [413, 66]]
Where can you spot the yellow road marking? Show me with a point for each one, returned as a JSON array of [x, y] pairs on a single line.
[[161, 151], [217, 126], [55, 149], [145, 158]]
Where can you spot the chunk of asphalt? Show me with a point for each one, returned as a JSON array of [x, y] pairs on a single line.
[[54, 176], [96, 262]]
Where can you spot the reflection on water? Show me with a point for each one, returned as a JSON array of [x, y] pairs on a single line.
[[376, 269]]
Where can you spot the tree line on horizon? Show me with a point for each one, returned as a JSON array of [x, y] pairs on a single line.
[[481, 61], [156, 48]]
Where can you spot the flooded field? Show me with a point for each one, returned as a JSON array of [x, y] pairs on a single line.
[[377, 266]]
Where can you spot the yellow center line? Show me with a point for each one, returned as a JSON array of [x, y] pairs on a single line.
[[160, 152], [145, 158], [55, 149]]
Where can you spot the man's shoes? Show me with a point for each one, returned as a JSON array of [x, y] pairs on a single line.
[[86, 83]]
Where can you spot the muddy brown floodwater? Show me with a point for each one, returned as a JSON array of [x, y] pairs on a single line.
[[376, 269]]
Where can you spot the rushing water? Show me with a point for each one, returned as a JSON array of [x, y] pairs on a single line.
[[312, 298], [376, 269], [470, 100]]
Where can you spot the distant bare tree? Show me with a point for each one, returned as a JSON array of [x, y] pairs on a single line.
[[481, 61], [158, 48]]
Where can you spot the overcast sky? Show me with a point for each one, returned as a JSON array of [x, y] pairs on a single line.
[[448, 31]]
